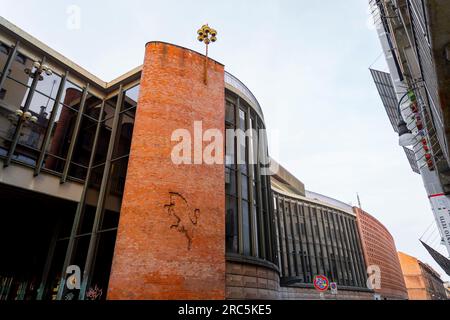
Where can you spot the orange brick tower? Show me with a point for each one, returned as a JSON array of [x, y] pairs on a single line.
[[171, 237]]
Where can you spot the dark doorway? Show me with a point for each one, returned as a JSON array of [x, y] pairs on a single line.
[[29, 225]]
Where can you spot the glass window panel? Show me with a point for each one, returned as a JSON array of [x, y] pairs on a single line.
[[230, 112], [71, 95], [124, 134], [110, 106], [256, 231], [90, 207], [85, 141], [231, 224], [255, 142], [255, 193], [14, 94], [49, 84], [131, 97], [62, 131], [40, 105], [110, 219], [94, 185], [230, 156], [242, 142], [244, 184], [77, 171], [21, 58], [103, 143], [53, 163], [25, 155], [4, 52], [118, 176], [18, 67], [246, 228], [243, 156], [242, 120], [230, 181], [32, 134], [92, 107], [87, 220]]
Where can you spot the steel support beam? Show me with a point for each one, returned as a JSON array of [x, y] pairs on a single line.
[[104, 188], [79, 213]]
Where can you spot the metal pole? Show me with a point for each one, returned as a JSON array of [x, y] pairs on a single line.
[[206, 66], [88, 267], [252, 195], [262, 235], [237, 148], [78, 214]]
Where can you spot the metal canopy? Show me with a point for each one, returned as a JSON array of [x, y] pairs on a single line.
[[388, 96]]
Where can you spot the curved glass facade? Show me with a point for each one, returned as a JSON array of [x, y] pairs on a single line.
[[248, 212]]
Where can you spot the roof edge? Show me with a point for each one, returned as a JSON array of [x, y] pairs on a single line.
[[181, 47]]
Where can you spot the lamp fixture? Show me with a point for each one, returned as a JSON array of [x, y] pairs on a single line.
[[207, 35], [26, 116], [406, 138], [39, 69]]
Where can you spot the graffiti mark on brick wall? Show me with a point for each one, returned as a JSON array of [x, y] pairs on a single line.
[[185, 218]]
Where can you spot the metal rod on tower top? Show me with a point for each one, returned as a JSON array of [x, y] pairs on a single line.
[[206, 35]]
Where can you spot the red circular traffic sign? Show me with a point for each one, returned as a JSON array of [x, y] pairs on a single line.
[[321, 283]]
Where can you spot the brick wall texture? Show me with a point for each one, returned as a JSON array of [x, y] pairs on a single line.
[[380, 250], [171, 236]]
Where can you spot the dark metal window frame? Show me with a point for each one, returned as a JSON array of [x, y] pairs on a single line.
[[329, 245], [260, 242], [42, 152]]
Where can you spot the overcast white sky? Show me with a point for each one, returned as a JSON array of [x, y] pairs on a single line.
[[306, 62]]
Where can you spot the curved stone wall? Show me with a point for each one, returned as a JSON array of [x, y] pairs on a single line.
[[247, 281]]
